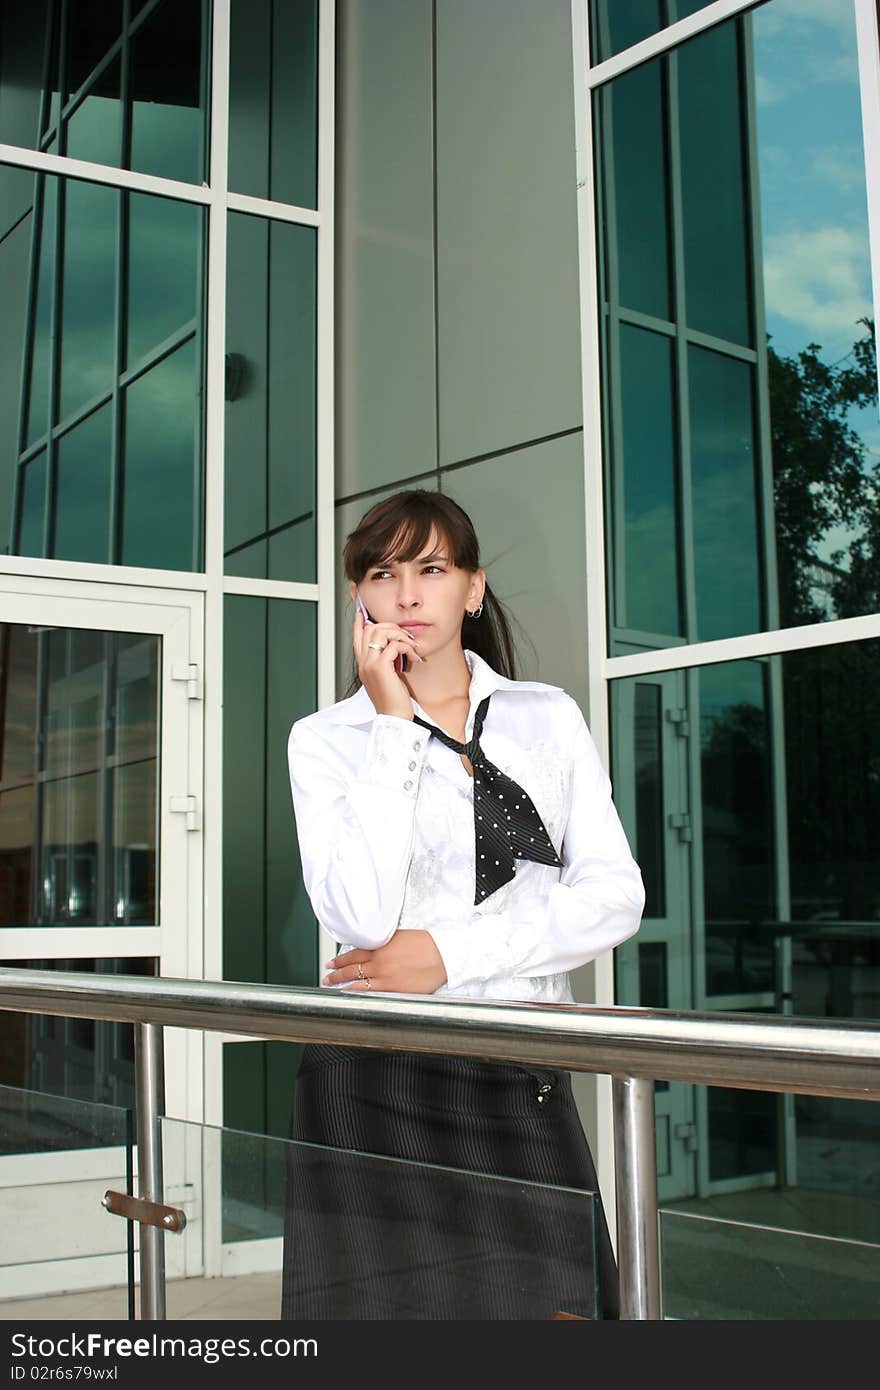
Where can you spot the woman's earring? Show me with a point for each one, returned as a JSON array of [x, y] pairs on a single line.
[[476, 613]]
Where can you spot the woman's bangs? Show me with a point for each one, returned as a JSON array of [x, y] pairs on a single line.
[[410, 540]]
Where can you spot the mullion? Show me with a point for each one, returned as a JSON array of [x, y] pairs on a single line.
[[681, 401], [762, 424], [27, 357], [106, 801], [616, 539], [39, 791], [76, 100], [55, 331], [44, 130], [63, 32]]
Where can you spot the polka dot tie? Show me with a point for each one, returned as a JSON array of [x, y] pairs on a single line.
[[506, 825]]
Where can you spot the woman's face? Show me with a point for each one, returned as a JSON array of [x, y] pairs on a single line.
[[428, 595]]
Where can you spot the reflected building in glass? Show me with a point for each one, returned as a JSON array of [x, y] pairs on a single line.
[[603, 273], [740, 441]]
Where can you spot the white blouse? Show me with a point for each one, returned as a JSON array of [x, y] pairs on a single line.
[[385, 822]]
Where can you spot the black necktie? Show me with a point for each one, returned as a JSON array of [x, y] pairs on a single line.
[[506, 825]]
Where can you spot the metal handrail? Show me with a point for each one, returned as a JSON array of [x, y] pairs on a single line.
[[636, 1046]]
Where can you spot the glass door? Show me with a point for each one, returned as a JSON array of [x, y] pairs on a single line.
[[100, 858], [655, 968]]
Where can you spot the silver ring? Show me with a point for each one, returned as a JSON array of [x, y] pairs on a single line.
[[368, 982], [378, 646], [360, 970]]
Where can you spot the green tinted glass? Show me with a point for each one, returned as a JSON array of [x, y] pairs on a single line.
[[715, 208], [88, 332], [164, 240], [270, 400], [617, 24], [82, 490], [724, 491], [29, 77], [780, 836], [128, 282], [641, 246], [166, 83], [743, 1133], [84, 44], [273, 100], [33, 507], [94, 131], [737, 808], [16, 235], [650, 820], [648, 454], [777, 473], [258, 1084], [269, 648], [162, 490], [45, 224]]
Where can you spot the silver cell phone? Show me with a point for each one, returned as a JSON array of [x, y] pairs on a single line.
[[400, 661]]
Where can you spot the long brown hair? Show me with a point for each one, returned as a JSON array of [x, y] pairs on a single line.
[[405, 521]]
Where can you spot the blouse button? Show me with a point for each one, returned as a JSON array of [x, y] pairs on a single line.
[[412, 767], [407, 786], [417, 746]]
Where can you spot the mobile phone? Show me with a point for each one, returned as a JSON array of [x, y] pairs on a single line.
[[400, 660]]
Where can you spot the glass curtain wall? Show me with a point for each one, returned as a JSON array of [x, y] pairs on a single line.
[[102, 384], [738, 380], [616, 25], [116, 432]]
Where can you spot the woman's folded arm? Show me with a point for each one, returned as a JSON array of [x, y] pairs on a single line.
[[356, 835]]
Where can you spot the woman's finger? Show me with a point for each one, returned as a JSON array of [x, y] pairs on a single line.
[[393, 641], [357, 953], [388, 632], [350, 965], [350, 974]]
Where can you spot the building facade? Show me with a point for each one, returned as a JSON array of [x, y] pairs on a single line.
[[603, 271]]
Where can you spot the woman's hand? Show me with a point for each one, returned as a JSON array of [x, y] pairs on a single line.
[[376, 667], [410, 963]]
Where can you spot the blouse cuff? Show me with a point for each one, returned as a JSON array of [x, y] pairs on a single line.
[[460, 959], [396, 754]]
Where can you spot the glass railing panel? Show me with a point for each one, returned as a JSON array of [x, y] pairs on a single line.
[[722, 1269], [285, 1229], [58, 1157]]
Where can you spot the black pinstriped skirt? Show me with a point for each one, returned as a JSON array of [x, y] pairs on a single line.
[[440, 1187]]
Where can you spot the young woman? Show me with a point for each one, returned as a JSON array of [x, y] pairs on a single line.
[[458, 840]]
